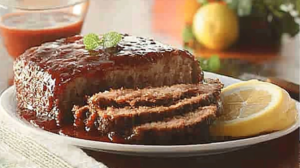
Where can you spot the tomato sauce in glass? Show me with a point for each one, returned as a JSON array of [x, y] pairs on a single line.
[[21, 31]]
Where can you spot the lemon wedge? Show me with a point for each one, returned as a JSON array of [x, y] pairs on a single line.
[[254, 107]]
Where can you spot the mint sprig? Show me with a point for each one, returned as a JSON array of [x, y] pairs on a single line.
[[111, 39], [108, 40], [91, 41]]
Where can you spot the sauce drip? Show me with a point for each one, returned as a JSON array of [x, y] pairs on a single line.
[[66, 130]]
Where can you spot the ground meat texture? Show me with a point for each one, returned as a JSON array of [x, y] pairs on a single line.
[[114, 113], [192, 127], [116, 119], [51, 78], [151, 96]]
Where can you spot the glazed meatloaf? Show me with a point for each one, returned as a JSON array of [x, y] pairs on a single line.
[[153, 115], [51, 78]]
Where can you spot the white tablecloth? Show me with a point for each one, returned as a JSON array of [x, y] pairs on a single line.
[[21, 149]]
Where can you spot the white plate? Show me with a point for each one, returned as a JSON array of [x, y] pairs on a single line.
[[8, 107]]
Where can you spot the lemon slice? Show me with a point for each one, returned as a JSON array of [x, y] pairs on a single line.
[[254, 107]]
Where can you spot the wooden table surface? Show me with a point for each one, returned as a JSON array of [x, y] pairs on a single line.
[[145, 18]]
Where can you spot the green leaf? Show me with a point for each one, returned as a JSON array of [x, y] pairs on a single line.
[[91, 41], [276, 12], [233, 4], [203, 63], [282, 21], [241, 7], [289, 25], [244, 7], [202, 2], [297, 6], [108, 40], [259, 9], [111, 39], [187, 34], [214, 63]]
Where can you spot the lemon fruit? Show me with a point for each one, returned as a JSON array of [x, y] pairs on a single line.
[[215, 26], [254, 107]]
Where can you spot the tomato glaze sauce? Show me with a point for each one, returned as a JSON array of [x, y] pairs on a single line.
[[66, 130], [23, 30]]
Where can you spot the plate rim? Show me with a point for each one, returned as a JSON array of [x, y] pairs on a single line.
[[142, 149]]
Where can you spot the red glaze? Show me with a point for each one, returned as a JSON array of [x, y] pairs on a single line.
[[67, 130], [68, 57], [42, 74]]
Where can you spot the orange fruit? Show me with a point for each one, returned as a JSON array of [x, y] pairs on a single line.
[[190, 9]]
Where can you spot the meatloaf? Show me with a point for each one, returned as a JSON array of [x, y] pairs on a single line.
[[141, 115], [189, 128], [51, 78]]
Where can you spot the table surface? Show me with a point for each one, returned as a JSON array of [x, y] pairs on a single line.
[[279, 153], [144, 18]]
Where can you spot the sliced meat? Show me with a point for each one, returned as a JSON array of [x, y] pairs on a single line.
[[113, 115], [121, 119], [162, 96], [192, 127], [80, 114]]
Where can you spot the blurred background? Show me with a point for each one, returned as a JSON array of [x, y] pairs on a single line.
[[240, 38]]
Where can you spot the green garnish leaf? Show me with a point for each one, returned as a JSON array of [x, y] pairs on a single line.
[[108, 40], [202, 1], [214, 63], [203, 63], [288, 25], [187, 34], [91, 41], [297, 6], [111, 39]]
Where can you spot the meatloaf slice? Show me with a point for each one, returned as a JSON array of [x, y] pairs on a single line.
[[109, 114], [116, 119], [157, 96], [192, 127], [51, 78]]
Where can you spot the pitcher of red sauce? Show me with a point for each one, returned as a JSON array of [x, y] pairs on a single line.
[[28, 23]]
